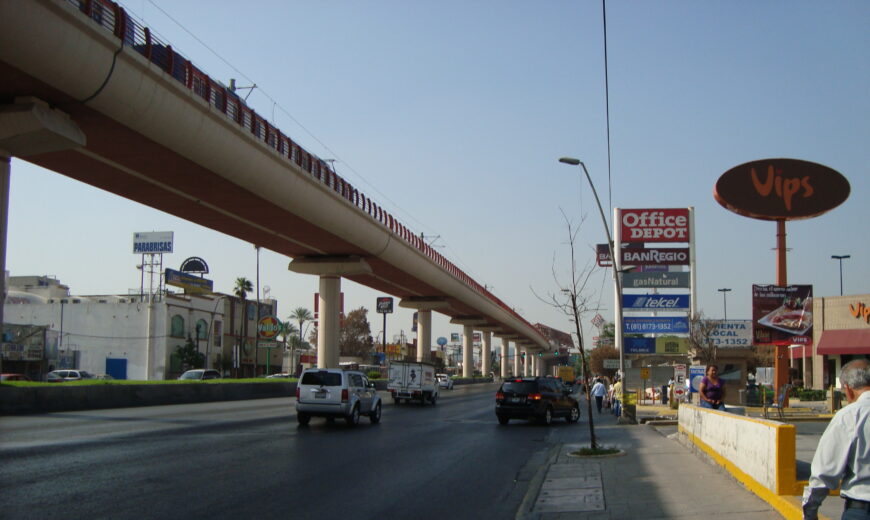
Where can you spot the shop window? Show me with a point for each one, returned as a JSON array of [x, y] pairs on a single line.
[[201, 329], [218, 333]]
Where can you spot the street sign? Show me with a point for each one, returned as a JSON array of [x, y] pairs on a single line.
[[269, 327], [679, 391], [611, 364], [268, 344], [385, 305], [696, 374], [644, 373], [680, 374]]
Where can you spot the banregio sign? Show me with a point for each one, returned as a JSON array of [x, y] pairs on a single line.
[[655, 256], [655, 302]]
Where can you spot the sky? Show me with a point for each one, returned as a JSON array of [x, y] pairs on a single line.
[[452, 116]]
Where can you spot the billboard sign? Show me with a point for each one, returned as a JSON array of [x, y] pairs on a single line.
[[732, 334], [655, 302], [781, 189], [782, 315], [655, 225], [657, 325], [154, 242], [639, 345], [655, 256], [696, 374], [672, 345], [268, 327], [385, 305], [602, 255], [652, 280], [190, 283]]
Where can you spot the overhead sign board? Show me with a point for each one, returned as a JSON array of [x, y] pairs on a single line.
[[385, 305], [602, 255], [191, 284], [669, 345], [782, 315], [781, 189], [655, 302], [153, 242], [647, 280], [655, 256], [732, 334], [655, 225], [656, 325]]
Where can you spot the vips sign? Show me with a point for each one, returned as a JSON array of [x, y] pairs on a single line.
[[655, 225], [782, 315], [655, 302]]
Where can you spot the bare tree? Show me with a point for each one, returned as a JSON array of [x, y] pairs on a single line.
[[701, 341], [573, 301]]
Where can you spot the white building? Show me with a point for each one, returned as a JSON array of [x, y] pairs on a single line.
[[135, 336]]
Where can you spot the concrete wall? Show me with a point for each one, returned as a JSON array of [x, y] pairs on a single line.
[[758, 452]]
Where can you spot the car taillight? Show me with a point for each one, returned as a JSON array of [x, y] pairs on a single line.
[[499, 396], [297, 393], [534, 397], [344, 395]]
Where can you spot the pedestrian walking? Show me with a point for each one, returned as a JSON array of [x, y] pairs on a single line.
[[842, 458], [616, 397], [598, 392], [712, 389]]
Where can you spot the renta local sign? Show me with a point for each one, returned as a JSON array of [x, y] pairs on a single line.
[[781, 189], [655, 225]]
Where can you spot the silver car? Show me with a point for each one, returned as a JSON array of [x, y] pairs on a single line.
[[332, 393]]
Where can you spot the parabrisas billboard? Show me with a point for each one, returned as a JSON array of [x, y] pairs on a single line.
[[781, 189], [655, 225]]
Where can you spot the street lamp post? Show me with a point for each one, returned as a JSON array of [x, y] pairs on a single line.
[[725, 292], [210, 327], [616, 274], [840, 259]]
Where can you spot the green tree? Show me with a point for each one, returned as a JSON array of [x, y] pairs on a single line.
[[701, 341], [355, 335], [301, 315], [189, 355]]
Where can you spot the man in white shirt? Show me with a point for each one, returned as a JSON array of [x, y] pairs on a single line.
[[843, 455], [598, 392]]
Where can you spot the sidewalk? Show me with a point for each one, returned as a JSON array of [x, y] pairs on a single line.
[[655, 477]]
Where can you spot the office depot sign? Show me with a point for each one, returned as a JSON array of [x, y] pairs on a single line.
[[655, 225]]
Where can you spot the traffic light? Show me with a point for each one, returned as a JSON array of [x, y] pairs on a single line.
[[541, 354]]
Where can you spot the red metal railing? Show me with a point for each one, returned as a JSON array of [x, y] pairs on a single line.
[[115, 19]]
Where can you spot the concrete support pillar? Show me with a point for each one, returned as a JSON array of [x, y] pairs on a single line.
[[330, 269], [485, 353], [424, 335], [526, 362], [505, 348], [328, 321], [517, 361], [467, 351]]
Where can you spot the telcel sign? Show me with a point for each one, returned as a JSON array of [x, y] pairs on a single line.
[[655, 225], [781, 189]]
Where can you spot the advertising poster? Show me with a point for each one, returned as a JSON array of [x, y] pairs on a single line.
[[679, 325], [732, 333], [782, 315]]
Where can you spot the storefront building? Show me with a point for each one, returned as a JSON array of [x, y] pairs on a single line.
[[841, 333]]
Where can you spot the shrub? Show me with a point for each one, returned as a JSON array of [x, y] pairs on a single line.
[[373, 374]]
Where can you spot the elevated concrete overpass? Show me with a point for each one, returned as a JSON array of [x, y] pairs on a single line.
[[88, 92]]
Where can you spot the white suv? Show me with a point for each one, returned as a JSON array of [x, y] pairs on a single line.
[[332, 392]]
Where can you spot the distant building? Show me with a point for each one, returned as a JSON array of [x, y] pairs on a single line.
[[129, 336]]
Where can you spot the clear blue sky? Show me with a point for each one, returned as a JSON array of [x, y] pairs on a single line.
[[453, 114]]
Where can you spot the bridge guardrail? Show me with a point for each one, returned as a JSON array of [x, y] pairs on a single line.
[[131, 32]]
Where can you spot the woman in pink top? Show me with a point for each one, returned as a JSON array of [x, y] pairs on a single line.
[[712, 389]]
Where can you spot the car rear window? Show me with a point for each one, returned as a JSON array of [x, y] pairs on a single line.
[[522, 387], [322, 378]]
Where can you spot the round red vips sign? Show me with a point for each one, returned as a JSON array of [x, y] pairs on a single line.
[[781, 189]]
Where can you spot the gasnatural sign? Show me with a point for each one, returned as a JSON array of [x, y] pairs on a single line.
[[781, 189], [269, 327], [655, 280]]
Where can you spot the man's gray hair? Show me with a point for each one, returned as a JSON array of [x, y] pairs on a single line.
[[856, 373]]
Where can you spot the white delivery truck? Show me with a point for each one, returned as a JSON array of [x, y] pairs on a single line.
[[409, 380]]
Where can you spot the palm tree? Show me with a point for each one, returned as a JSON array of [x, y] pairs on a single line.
[[241, 290], [288, 329], [301, 314]]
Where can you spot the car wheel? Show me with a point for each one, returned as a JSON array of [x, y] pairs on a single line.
[[547, 418], [303, 418], [574, 416], [375, 416], [503, 419], [353, 418]]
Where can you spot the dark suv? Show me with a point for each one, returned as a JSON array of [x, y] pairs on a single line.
[[540, 398]]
